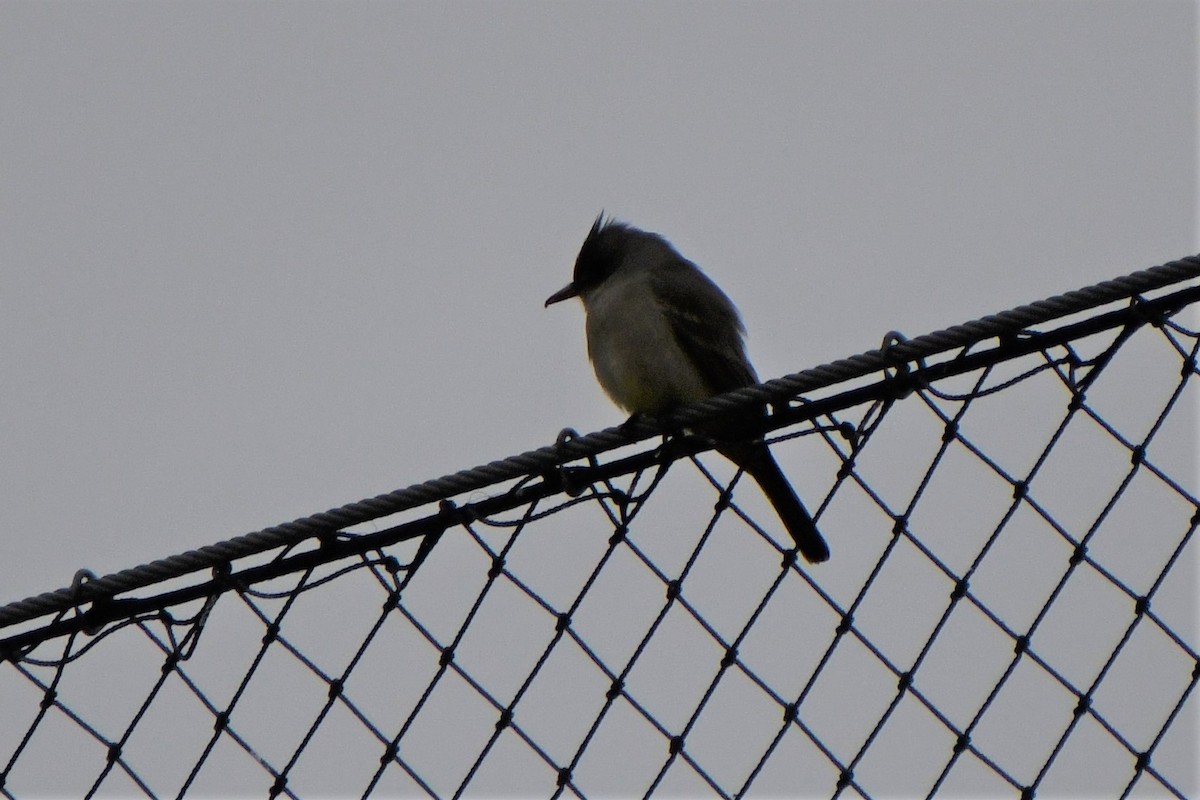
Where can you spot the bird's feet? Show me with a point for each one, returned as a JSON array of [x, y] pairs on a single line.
[[637, 420]]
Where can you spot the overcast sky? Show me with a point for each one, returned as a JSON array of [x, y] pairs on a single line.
[[258, 260]]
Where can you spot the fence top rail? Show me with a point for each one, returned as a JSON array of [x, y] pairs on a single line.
[[894, 354]]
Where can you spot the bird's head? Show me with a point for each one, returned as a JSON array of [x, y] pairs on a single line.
[[605, 249]]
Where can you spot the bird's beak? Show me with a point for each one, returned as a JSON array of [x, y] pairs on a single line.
[[565, 293]]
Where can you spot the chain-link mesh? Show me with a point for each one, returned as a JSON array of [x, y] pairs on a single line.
[[1010, 608]]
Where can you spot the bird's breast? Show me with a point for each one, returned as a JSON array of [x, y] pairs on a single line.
[[633, 350]]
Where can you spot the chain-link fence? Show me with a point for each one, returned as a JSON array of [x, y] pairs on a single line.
[[1010, 608]]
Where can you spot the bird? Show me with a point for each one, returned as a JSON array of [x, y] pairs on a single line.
[[662, 335]]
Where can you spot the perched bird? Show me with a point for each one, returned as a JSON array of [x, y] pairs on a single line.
[[661, 335]]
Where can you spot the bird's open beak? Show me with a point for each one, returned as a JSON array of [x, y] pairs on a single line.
[[565, 293]]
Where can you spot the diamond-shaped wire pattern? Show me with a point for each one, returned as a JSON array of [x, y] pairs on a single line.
[[1010, 610]]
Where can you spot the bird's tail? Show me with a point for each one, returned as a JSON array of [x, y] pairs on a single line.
[[759, 464]]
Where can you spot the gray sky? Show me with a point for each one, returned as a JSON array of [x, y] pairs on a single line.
[[258, 260]]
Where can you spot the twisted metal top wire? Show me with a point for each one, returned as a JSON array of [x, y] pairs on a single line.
[[548, 458]]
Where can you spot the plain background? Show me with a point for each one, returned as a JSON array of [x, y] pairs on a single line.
[[258, 260]]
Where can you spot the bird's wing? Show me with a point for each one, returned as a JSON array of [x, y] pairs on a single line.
[[707, 328]]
